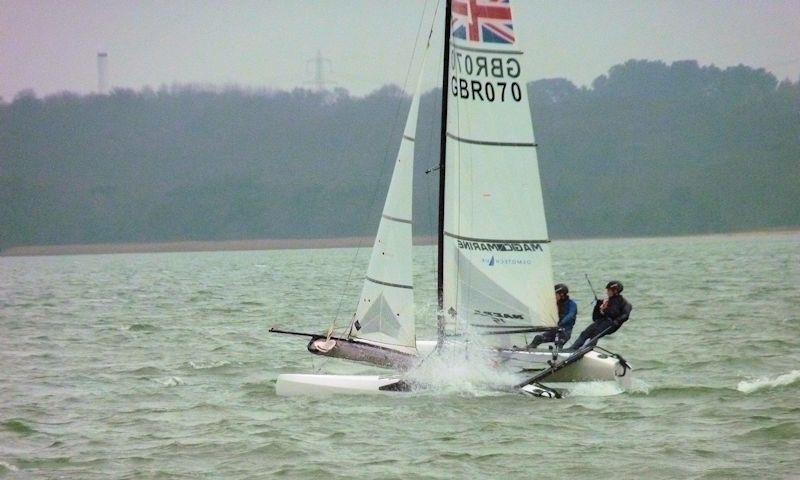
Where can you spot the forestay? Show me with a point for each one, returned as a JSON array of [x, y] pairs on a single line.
[[497, 267], [385, 313]]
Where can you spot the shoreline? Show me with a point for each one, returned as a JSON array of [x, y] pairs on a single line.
[[196, 246], [292, 244]]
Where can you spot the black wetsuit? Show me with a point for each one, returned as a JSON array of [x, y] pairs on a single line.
[[617, 313]]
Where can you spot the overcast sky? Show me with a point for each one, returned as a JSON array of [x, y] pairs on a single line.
[[51, 46]]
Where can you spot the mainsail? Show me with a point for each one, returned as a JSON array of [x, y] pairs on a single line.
[[497, 270], [385, 312]]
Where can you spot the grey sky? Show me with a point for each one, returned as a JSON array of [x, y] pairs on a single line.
[[51, 45]]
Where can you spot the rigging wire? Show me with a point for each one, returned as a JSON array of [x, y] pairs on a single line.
[[432, 225], [378, 185]]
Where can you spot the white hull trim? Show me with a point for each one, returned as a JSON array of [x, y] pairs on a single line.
[[293, 384], [301, 384]]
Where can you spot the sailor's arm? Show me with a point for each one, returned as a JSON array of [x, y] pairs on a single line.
[[596, 314], [625, 313]]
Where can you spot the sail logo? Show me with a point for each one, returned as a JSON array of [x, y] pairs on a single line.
[[500, 246], [487, 21], [491, 261]]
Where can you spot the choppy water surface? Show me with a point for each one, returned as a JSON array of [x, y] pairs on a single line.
[[160, 366]]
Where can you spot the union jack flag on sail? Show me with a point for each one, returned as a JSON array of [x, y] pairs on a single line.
[[483, 21]]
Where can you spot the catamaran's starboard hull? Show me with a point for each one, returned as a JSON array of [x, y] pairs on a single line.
[[293, 384], [593, 367]]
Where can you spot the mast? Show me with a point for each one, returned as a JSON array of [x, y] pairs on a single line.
[[440, 323]]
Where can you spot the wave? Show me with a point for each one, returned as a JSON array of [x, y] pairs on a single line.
[[595, 389], [208, 365], [685, 389], [171, 381], [750, 386], [150, 370], [784, 430], [638, 386], [143, 327], [259, 389], [7, 466], [17, 426]]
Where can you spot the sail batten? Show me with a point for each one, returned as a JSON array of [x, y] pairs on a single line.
[[490, 143], [486, 50], [395, 219], [388, 284], [492, 240]]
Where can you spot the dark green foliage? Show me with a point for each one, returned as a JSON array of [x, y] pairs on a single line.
[[650, 149], [653, 149]]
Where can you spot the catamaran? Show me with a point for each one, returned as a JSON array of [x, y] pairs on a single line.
[[494, 271]]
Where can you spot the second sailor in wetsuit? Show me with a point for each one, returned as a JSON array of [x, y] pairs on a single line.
[[608, 315]]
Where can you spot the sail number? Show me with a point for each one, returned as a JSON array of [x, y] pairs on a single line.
[[495, 78], [486, 90]]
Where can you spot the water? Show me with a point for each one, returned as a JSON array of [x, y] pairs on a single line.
[[160, 366]]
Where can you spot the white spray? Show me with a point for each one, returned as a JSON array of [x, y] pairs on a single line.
[[750, 386], [466, 366]]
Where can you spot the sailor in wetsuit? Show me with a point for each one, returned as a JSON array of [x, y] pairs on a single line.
[[567, 312], [607, 316]]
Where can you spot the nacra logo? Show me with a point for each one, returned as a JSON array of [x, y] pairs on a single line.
[[498, 317]]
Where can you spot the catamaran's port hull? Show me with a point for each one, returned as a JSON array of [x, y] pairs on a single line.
[[362, 352]]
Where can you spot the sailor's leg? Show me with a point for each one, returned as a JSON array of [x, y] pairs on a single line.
[[561, 337], [600, 328], [543, 338], [537, 340], [586, 334]]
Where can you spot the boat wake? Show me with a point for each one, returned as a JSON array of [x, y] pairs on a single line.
[[171, 382], [750, 386], [594, 389]]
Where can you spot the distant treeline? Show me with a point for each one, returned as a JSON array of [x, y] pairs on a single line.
[[649, 149]]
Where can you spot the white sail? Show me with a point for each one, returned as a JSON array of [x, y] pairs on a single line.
[[385, 313], [497, 267]]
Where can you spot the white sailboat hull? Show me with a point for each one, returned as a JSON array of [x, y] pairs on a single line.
[[593, 367], [293, 384]]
